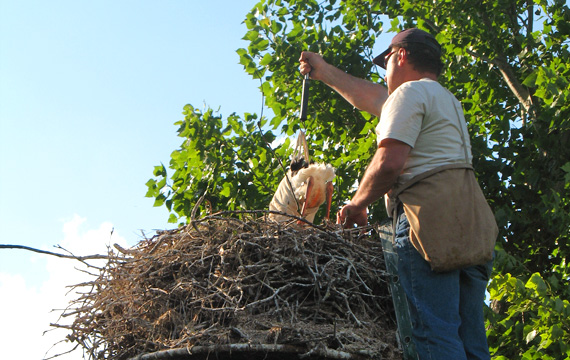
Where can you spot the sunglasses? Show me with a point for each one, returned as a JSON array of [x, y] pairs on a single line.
[[387, 57]]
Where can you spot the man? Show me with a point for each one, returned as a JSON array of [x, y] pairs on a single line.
[[419, 130]]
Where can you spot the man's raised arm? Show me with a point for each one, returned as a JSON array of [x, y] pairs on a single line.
[[362, 94]]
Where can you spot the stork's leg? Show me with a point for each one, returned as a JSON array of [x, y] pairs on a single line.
[[329, 191]]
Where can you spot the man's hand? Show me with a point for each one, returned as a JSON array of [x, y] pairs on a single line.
[[313, 64], [350, 215]]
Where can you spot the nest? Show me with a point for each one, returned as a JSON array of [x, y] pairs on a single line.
[[239, 286]]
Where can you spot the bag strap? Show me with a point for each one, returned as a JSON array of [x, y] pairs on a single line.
[[394, 223], [460, 126]]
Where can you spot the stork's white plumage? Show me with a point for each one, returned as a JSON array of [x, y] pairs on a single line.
[[303, 191]]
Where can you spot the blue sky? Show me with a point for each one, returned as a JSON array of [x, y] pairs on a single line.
[[89, 93]]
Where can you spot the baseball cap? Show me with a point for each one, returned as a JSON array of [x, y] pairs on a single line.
[[411, 35]]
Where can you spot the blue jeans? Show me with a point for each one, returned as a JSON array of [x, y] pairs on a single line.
[[446, 308]]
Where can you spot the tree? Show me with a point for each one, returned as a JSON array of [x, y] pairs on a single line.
[[509, 64]]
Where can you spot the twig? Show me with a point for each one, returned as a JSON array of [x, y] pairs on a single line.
[[80, 258]]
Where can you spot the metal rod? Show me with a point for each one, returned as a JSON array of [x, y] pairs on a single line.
[[304, 98]]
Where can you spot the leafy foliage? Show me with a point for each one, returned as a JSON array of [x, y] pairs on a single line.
[[229, 165], [536, 318], [507, 61], [337, 132]]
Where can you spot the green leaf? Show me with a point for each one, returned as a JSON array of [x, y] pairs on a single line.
[[537, 283], [266, 60], [152, 188], [172, 219], [251, 35], [530, 80], [159, 171], [159, 200], [226, 190]]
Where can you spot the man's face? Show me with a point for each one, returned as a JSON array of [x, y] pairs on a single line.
[[393, 69], [388, 60]]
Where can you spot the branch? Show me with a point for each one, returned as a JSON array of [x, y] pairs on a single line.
[[530, 20], [286, 349], [520, 91], [80, 258]]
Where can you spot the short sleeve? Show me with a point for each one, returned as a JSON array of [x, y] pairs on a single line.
[[402, 115]]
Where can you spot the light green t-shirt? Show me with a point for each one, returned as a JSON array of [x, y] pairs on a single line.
[[424, 115]]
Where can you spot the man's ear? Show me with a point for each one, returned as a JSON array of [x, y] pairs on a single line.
[[402, 56]]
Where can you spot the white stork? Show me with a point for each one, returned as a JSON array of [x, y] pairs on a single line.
[[304, 188]]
